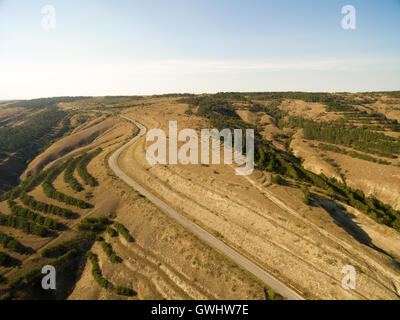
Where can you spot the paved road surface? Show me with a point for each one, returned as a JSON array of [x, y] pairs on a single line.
[[245, 263]]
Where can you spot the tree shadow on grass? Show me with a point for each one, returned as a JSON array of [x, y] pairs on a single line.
[[13, 262], [345, 220], [27, 250]]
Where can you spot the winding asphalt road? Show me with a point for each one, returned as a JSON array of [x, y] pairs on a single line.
[[232, 254]]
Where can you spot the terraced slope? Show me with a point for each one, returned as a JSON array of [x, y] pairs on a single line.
[[306, 247], [153, 266]]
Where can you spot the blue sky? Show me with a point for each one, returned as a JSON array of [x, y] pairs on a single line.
[[162, 46]]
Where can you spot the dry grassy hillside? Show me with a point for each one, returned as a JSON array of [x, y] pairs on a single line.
[[81, 136], [138, 252], [163, 261], [306, 246]]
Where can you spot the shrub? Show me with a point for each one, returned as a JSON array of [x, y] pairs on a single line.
[[111, 231], [32, 216], [82, 168], [69, 175], [94, 224], [30, 183], [70, 255], [124, 291], [11, 244], [62, 248], [23, 224], [277, 179], [123, 231], [307, 196], [110, 253], [52, 193], [31, 275], [44, 207], [96, 272]]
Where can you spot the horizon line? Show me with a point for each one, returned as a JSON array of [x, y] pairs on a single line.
[[191, 93]]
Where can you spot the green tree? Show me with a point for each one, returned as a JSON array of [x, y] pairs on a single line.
[[307, 196], [277, 179]]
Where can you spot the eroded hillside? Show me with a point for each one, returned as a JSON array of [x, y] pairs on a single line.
[[76, 205], [324, 195]]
